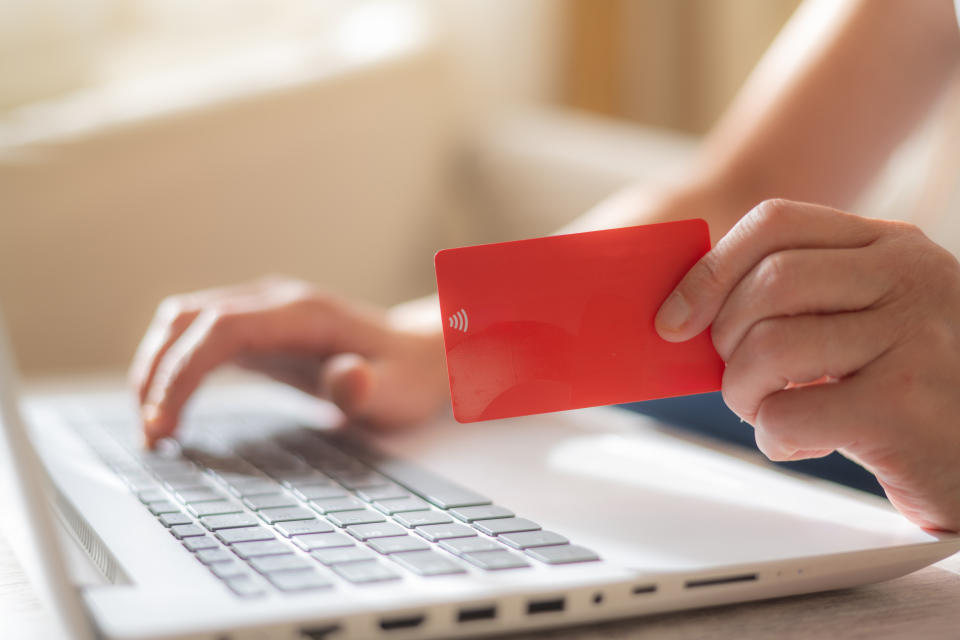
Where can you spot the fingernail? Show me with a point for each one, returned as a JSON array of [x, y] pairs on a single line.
[[149, 414], [674, 313]]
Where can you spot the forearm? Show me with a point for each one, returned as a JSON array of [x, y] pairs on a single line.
[[835, 94], [839, 89]]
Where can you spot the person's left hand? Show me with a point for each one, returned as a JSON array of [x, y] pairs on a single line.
[[838, 333]]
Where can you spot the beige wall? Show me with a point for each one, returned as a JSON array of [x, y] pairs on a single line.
[[339, 181], [670, 63]]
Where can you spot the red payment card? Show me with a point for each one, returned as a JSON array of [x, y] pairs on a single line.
[[566, 322]]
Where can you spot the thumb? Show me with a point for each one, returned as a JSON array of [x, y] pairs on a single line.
[[348, 379]]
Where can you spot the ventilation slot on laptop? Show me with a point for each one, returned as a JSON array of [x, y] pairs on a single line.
[[96, 550], [546, 606], [713, 582], [405, 622]]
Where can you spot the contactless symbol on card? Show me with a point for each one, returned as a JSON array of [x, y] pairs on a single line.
[[459, 321], [565, 322]]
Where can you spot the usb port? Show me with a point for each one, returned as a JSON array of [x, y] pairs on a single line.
[[476, 613], [546, 606], [407, 622]]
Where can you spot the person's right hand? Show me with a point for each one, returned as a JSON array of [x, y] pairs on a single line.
[[369, 365]]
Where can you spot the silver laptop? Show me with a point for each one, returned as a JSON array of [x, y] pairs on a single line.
[[270, 520]]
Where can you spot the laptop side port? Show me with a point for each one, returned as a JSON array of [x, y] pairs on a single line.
[[711, 582], [405, 622], [641, 589], [319, 633], [546, 606], [476, 613]]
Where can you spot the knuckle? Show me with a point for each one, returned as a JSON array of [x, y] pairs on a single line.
[[170, 308], [765, 342], [770, 212], [316, 301], [708, 273], [218, 322], [773, 274], [941, 260], [904, 228]]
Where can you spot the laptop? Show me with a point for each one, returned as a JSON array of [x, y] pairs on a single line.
[[271, 519]]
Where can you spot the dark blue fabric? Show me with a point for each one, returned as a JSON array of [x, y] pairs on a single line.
[[707, 414]]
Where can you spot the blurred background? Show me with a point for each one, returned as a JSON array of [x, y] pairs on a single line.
[[149, 147]]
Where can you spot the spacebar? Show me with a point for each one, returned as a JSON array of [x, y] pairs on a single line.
[[429, 486]]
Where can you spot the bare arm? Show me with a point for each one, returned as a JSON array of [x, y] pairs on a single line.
[[841, 86]]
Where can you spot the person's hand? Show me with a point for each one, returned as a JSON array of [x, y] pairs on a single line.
[[838, 333], [364, 360]]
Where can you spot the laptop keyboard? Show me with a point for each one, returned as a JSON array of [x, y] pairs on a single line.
[[269, 506]]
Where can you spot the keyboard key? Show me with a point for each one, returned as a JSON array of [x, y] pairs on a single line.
[[170, 519], [163, 506], [229, 521], [527, 539], [299, 476], [459, 546], [244, 534], [320, 492], [375, 530], [434, 532], [419, 518], [252, 486], [301, 527], [385, 492], [245, 587], [151, 495], [313, 541], [167, 467], [495, 560], [362, 480], [314, 478], [228, 570], [344, 518], [181, 531], [205, 494], [335, 505], [270, 500], [431, 487], [214, 556], [299, 581], [563, 554], [263, 548], [289, 562], [484, 512], [342, 554], [428, 563], [397, 544], [399, 505], [200, 543], [505, 525], [214, 508], [365, 572], [180, 483], [286, 514]]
